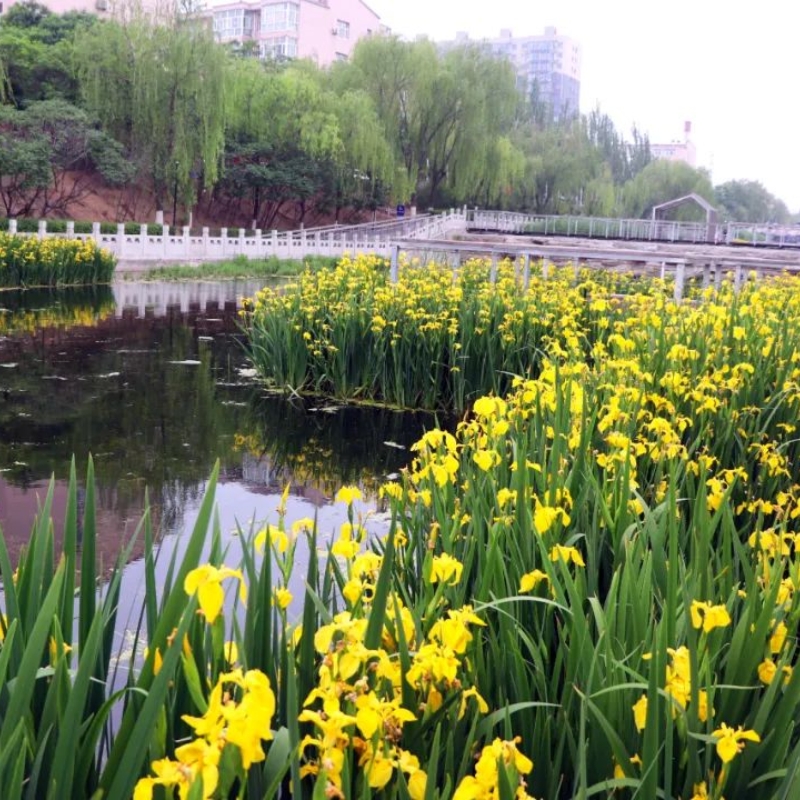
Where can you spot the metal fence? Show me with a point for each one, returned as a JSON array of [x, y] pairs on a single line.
[[648, 230]]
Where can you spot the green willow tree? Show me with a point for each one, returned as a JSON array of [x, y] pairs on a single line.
[[36, 47], [364, 172], [283, 142], [4, 87], [281, 104], [279, 129], [442, 115], [158, 86], [470, 153], [291, 139], [565, 172]]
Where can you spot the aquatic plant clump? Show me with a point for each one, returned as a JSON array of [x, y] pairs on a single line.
[[249, 696], [591, 588], [434, 340], [26, 261]]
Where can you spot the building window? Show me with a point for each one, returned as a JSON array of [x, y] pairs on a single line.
[[342, 29], [279, 47], [229, 24], [341, 56], [280, 17]]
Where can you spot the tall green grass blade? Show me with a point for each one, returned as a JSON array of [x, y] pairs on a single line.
[[33, 776], [69, 550], [64, 759], [7, 650], [150, 589], [88, 596], [278, 763], [127, 758], [303, 680], [433, 765], [377, 617], [172, 617], [292, 712], [33, 575], [85, 773], [12, 761], [26, 678]]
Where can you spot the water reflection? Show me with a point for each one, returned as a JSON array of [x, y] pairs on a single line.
[[32, 310], [149, 379], [323, 446]]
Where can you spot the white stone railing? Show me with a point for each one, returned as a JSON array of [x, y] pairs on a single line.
[[183, 245]]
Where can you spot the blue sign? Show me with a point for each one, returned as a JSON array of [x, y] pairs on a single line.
[[401, 211]]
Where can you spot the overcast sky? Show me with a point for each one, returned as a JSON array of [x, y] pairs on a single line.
[[731, 69]]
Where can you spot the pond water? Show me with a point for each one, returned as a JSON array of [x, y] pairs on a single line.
[[152, 381]]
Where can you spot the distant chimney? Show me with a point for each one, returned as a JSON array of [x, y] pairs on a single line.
[[687, 130]]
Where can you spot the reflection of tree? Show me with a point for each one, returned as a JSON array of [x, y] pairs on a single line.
[[328, 447], [113, 390]]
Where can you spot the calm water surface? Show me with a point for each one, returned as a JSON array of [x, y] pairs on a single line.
[[151, 380]]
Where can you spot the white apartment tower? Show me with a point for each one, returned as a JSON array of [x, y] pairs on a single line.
[[548, 66]]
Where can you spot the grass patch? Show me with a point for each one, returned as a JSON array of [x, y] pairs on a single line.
[[239, 267]]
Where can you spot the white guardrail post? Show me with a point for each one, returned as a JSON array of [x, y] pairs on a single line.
[[394, 268], [680, 278]]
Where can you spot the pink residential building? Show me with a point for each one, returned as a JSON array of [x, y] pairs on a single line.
[[101, 8], [322, 30]]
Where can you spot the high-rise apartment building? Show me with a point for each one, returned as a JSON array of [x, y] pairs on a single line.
[[322, 30], [547, 66]]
